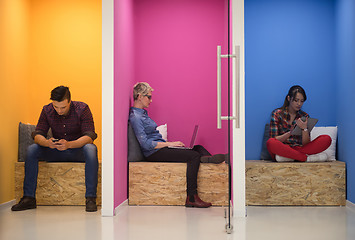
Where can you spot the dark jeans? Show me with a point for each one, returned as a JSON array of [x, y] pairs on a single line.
[[191, 157], [87, 154]]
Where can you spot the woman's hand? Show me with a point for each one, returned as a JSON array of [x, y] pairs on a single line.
[[302, 124], [169, 144], [176, 144]]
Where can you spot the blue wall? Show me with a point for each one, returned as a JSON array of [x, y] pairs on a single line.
[[305, 42], [346, 89], [288, 42]]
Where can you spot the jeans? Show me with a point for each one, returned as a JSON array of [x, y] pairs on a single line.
[[87, 154]]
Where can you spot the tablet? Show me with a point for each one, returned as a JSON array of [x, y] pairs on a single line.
[[311, 123]]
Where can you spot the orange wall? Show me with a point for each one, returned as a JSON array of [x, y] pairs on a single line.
[[65, 49], [13, 85], [44, 44]]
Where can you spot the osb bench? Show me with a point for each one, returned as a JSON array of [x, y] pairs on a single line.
[[295, 183], [162, 183], [58, 183], [267, 183]]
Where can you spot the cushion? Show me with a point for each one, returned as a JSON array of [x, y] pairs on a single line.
[[24, 139], [332, 132], [265, 155], [134, 150], [163, 130]]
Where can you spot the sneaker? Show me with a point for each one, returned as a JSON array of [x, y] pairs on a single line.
[[283, 159], [91, 204], [24, 204], [319, 157]]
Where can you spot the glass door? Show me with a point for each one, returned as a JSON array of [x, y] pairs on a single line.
[[234, 58], [175, 51]]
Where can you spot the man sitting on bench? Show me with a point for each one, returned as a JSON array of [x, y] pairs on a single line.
[[73, 131]]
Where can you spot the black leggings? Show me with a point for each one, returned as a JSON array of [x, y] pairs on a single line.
[[191, 157]]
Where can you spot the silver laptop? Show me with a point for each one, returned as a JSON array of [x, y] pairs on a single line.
[[192, 142]]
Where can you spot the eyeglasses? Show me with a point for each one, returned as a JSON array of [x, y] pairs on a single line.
[[149, 97]]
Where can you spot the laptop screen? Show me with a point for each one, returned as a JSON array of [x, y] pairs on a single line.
[[194, 135]]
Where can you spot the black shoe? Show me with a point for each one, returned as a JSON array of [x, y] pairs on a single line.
[[24, 204], [217, 158], [91, 204]]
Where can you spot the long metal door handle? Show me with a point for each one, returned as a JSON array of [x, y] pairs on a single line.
[[236, 85], [219, 111]]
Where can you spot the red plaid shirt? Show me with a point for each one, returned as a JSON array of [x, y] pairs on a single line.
[[279, 124], [77, 123]]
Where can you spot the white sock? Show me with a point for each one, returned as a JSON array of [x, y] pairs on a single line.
[[283, 159], [319, 157]]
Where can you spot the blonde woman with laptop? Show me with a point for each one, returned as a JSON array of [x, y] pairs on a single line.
[[156, 149], [285, 144]]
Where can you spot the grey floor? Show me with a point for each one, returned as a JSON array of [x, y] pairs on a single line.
[[131, 222]]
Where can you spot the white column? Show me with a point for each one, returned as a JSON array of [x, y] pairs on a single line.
[[238, 170], [107, 108]]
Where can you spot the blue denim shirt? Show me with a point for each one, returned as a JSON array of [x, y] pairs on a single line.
[[146, 130]]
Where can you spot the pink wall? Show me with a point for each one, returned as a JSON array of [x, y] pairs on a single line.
[[175, 51], [123, 75]]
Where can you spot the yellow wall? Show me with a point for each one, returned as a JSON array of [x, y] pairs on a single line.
[[45, 44]]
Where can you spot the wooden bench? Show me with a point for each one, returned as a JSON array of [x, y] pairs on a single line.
[[58, 183], [267, 183], [295, 183], [161, 183]]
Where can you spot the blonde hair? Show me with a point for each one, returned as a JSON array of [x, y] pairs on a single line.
[[142, 88]]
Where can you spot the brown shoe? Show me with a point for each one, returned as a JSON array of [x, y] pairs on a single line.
[[91, 204], [197, 202], [24, 204]]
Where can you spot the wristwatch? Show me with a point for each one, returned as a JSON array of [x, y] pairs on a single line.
[[305, 129]]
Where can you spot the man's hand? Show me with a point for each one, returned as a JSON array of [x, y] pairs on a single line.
[[52, 143], [62, 145]]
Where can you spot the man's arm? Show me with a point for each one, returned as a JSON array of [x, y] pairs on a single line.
[[41, 140], [62, 144]]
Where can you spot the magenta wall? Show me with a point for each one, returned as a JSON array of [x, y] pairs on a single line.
[[175, 51], [123, 79], [172, 45]]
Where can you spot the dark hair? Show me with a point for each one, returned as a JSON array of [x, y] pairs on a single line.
[[60, 93], [292, 94]]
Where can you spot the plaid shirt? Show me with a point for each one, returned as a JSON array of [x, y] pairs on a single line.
[[279, 124], [77, 123]]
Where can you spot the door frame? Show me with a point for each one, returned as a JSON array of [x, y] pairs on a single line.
[[238, 143], [238, 168]]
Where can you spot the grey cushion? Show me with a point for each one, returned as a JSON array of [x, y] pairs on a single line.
[[265, 155], [24, 139], [134, 150]]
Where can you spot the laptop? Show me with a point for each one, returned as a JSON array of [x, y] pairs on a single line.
[[192, 142], [310, 124]]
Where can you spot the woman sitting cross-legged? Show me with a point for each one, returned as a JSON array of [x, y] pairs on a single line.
[[156, 149], [285, 147]]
